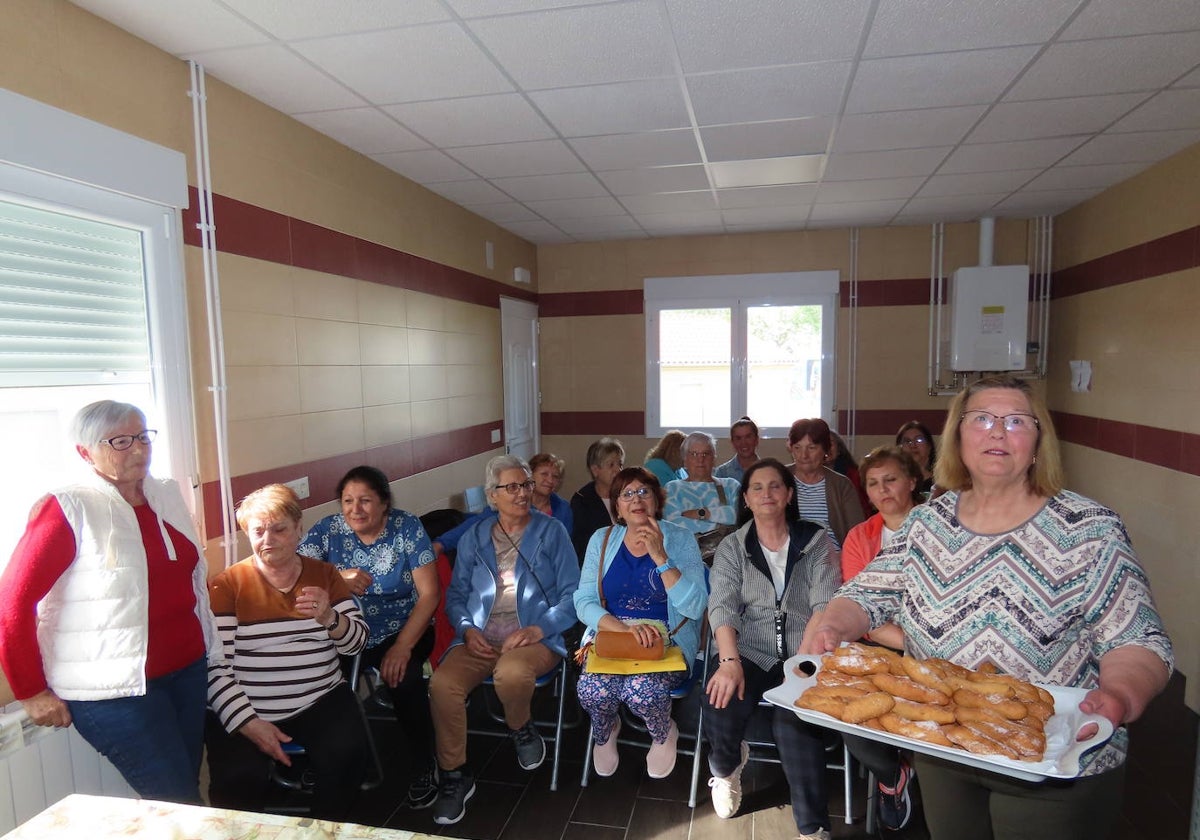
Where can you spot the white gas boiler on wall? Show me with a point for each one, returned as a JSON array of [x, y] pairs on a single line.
[[989, 316]]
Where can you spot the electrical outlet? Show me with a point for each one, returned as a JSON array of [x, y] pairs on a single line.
[[300, 486], [495, 435]]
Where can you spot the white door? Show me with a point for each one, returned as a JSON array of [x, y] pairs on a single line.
[[518, 334]]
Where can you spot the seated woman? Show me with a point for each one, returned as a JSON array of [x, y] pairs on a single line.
[[385, 559], [548, 470], [743, 436], [891, 476], [590, 504], [509, 602], [822, 495], [702, 503], [917, 440], [283, 619], [665, 460], [644, 577], [775, 564]]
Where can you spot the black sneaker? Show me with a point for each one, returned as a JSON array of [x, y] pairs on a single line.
[[423, 791], [895, 803], [455, 788], [531, 749]]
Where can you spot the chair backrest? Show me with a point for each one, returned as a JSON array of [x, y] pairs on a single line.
[[438, 522], [476, 498]]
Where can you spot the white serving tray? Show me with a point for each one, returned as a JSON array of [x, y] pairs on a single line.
[[1061, 759]]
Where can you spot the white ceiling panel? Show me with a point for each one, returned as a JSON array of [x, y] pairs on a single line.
[[1042, 203], [481, 120], [908, 27], [878, 212], [487, 8], [769, 139], [601, 227], [207, 24], [660, 179], [320, 18], [477, 191], [900, 163], [977, 183], [576, 208], [1174, 108], [672, 203], [794, 216], [1110, 65], [366, 130], [579, 46], [425, 166], [539, 231], [1084, 177], [770, 93], [547, 187], [905, 129], [1134, 147], [1053, 117], [501, 213], [536, 157], [273, 71], [670, 224], [717, 34], [1106, 18], [656, 148], [746, 197], [843, 191], [1023, 154], [933, 81], [614, 109], [950, 205]]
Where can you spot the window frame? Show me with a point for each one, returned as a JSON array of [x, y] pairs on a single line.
[[807, 288]]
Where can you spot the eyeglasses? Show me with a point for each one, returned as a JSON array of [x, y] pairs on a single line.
[[630, 495], [914, 441], [123, 442], [985, 421], [515, 487], [701, 455]]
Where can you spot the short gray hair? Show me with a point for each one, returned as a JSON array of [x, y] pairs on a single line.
[[93, 421], [703, 437], [491, 473]]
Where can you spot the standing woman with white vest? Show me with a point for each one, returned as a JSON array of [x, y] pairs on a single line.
[[104, 615]]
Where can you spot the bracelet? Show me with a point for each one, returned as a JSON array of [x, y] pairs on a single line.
[[729, 659], [337, 616]]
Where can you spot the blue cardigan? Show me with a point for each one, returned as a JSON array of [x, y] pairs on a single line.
[[546, 549], [687, 598]]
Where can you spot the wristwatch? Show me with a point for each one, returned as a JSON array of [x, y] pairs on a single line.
[[702, 513], [662, 570]]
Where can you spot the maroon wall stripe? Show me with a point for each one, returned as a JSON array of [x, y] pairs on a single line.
[[594, 423], [397, 460], [887, 421], [1163, 447], [255, 232], [1174, 252], [567, 304]]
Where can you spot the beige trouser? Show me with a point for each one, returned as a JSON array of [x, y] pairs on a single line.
[[461, 671]]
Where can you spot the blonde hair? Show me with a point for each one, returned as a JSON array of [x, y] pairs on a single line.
[[669, 448], [270, 502], [1045, 474]]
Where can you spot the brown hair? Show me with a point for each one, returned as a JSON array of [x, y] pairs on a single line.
[[814, 428], [744, 421], [669, 448], [543, 458], [629, 475], [925, 433], [882, 455], [269, 502], [1045, 475]]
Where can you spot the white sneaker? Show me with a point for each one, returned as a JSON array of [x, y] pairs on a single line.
[[819, 834], [727, 792]]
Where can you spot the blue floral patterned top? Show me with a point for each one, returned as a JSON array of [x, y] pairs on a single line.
[[390, 561]]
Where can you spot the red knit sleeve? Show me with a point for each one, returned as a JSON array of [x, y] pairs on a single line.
[[45, 551]]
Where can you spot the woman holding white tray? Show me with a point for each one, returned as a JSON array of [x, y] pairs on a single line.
[[1007, 568]]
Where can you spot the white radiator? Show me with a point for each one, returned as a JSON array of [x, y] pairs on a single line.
[[39, 766]]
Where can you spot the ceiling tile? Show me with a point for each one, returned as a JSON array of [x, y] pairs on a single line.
[[276, 76], [718, 35], [503, 212], [1049, 203], [1105, 18], [626, 151], [674, 203], [487, 8], [905, 129], [579, 46], [946, 205], [1111, 65], [794, 215], [547, 187], [766, 172], [936, 80], [614, 109], [770, 93], [535, 157], [866, 190], [875, 212], [1098, 176], [783, 196], [318, 18], [477, 191], [365, 130], [576, 208], [996, 157], [1190, 80], [908, 27], [423, 166], [210, 25], [900, 163], [538, 232], [477, 121], [1174, 108], [406, 65], [669, 224], [660, 179], [770, 139], [1052, 117], [1138, 146], [602, 227], [975, 183]]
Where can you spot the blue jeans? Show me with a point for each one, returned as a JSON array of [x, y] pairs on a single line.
[[155, 740]]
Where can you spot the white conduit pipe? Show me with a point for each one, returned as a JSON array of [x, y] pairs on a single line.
[[1048, 272], [851, 430], [216, 340]]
